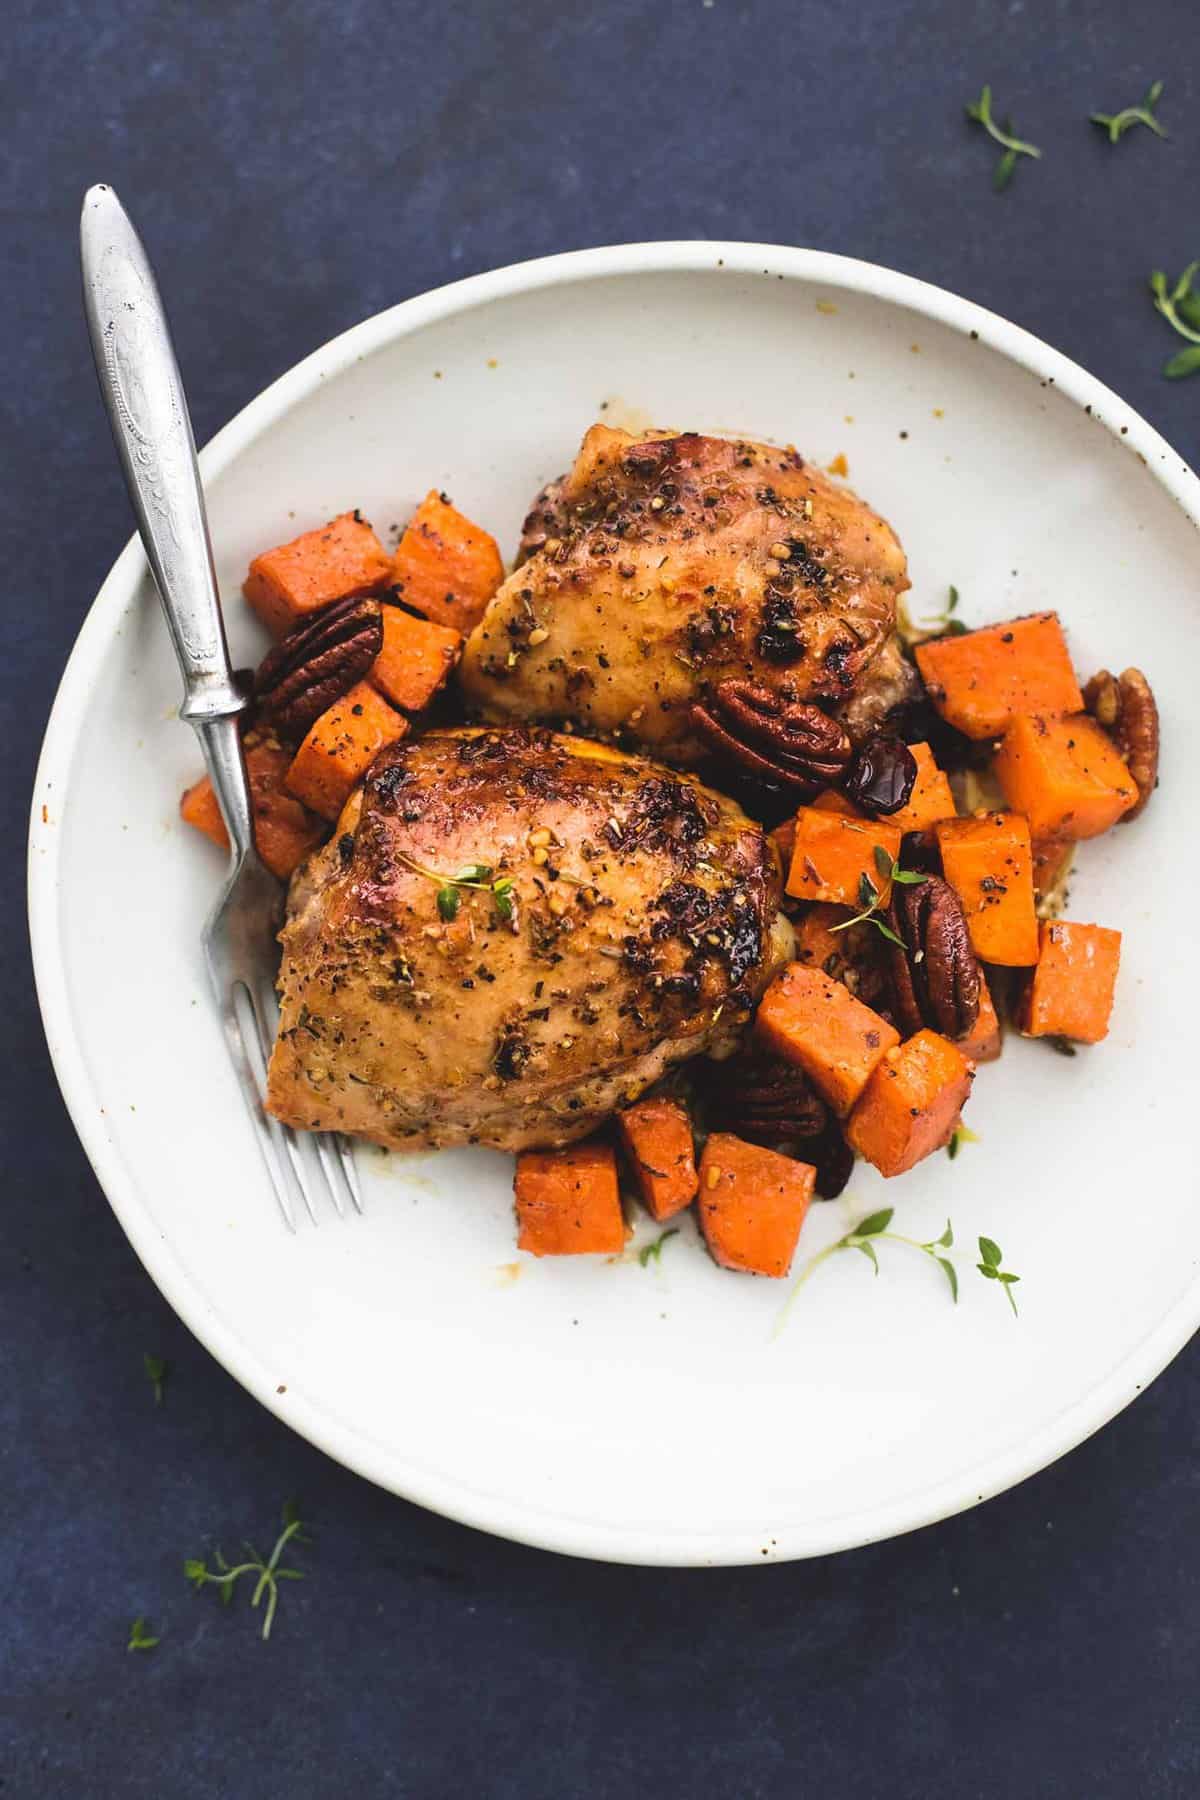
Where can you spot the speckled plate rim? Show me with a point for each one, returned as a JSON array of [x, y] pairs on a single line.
[[390, 1468]]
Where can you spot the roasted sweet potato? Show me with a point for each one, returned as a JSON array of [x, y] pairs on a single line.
[[1052, 859], [1070, 992], [816, 1022], [752, 1204], [568, 1202], [336, 562], [985, 1042], [445, 566], [988, 862], [980, 682], [930, 799], [833, 800], [831, 854], [284, 830], [911, 1104], [1066, 775], [657, 1135], [341, 747], [416, 658]]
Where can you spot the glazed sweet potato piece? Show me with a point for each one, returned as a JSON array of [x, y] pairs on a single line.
[[911, 1104], [657, 1135], [1066, 775], [833, 800], [986, 1041], [336, 562], [416, 658], [341, 747], [831, 854], [988, 861], [980, 682], [812, 1020], [752, 1204], [284, 830], [930, 799], [1052, 859], [1070, 992], [568, 1202], [445, 566]]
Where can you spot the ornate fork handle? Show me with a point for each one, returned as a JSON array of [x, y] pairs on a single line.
[[143, 396]]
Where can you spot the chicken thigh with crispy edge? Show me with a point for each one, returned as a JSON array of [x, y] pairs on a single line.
[[636, 923], [661, 566]]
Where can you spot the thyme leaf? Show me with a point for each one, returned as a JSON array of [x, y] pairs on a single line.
[[1117, 124], [269, 1573], [980, 112]]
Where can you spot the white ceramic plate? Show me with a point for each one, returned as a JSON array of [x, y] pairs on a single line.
[[653, 1413]]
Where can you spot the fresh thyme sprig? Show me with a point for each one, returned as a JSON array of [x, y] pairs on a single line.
[[478, 876], [653, 1252], [157, 1369], [1180, 307], [935, 625], [992, 1257], [981, 112], [269, 1572], [872, 1230], [871, 898], [961, 1135], [1117, 124], [139, 1637]]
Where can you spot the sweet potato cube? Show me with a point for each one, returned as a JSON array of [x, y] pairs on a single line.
[[568, 1202], [834, 801], [988, 861], [1070, 992], [818, 945], [341, 747], [911, 1104], [980, 682], [985, 1042], [1066, 776], [416, 658], [816, 1022], [342, 559], [752, 1204], [657, 1135], [284, 830], [1052, 859], [445, 566], [930, 799], [831, 854]]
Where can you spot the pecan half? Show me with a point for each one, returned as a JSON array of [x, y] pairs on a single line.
[[764, 1099], [936, 975], [834, 1161], [316, 664], [787, 743], [1125, 706]]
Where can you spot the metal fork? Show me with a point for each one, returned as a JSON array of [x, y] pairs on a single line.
[[143, 396]]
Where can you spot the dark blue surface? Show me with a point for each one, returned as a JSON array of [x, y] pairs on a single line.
[[294, 168]]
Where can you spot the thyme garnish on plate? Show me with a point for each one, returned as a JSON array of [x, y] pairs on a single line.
[[992, 1257], [477, 876], [653, 1252], [871, 898]]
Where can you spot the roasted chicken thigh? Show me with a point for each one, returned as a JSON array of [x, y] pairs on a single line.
[[510, 933], [661, 566]]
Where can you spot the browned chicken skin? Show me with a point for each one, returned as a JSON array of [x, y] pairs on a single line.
[[661, 566], [643, 927]]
